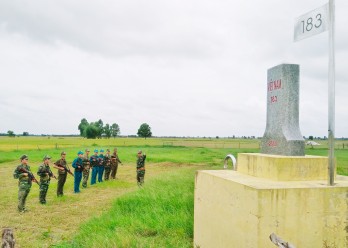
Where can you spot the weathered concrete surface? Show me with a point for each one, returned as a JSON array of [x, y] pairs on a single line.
[[282, 135], [237, 210]]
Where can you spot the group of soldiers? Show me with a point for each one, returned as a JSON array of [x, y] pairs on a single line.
[[101, 165]]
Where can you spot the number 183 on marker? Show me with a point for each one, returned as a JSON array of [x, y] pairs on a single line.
[[312, 23]]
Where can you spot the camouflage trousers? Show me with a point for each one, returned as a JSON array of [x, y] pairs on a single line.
[[107, 171], [61, 182], [44, 184], [114, 170], [140, 177], [85, 176], [23, 191]]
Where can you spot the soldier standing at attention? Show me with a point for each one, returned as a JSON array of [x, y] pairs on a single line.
[[114, 163], [86, 168], [107, 160], [22, 172], [45, 174], [141, 168], [78, 165], [62, 173], [101, 166], [94, 163]]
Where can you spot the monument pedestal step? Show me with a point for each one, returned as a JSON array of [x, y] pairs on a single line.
[[283, 168]]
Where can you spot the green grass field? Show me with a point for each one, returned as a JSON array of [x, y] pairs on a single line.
[[117, 213]]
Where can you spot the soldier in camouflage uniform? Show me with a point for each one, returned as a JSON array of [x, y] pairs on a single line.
[[114, 163], [24, 183], [86, 168], [62, 173], [141, 168], [107, 164], [45, 174]]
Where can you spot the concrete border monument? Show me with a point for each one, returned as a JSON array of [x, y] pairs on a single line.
[[283, 135], [280, 191]]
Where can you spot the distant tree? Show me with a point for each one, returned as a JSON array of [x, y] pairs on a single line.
[[115, 130], [144, 130], [82, 127], [25, 134], [91, 132], [107, 131], [97, 129], [10, 133], [310, 137], [100, 126]]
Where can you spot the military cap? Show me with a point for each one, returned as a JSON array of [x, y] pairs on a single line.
[[63, 153], [24, 157], [107, 150], [140, 152], [87, 150], [95, 150], [80, 152], [101, 150], [46, 157]]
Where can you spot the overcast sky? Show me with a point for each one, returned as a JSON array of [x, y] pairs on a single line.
[[185, 67]]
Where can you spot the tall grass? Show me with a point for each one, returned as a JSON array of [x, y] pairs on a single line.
[[158, 215]]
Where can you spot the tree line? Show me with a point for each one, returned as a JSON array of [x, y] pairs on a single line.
[[98, 130]]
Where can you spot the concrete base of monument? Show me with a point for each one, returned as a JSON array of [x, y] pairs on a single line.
[[283, 168], [232, 209]]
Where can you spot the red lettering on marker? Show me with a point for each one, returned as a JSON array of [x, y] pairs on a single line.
[[274, 85], [272, 143], [274, 99]]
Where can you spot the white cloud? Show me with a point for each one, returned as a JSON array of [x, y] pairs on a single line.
[[188, 68]]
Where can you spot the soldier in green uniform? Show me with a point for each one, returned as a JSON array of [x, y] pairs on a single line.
[[45, 174], [61, 165], [86, 168], [107, 164], [141, 168], [22, 172], [114, 163]]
